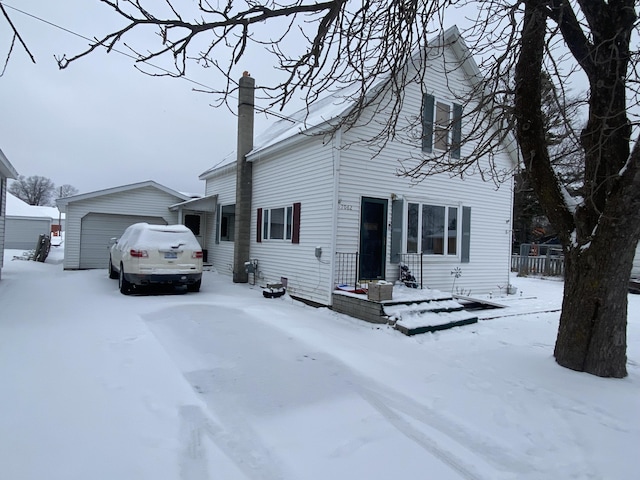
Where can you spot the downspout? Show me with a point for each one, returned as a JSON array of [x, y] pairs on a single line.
[[244, 178], [337, 158]]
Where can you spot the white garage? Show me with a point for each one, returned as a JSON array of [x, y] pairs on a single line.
[[92, 219]]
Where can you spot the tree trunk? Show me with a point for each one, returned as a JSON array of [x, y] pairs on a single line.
[[593, 323]]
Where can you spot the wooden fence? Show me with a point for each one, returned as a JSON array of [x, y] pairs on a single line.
[[547, 265]]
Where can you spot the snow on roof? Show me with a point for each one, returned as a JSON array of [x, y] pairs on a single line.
[[62, 202], [18, 208], [6, 169], [320, 112], [336, 104]]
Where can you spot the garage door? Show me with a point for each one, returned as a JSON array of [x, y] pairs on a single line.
[[98, 229]]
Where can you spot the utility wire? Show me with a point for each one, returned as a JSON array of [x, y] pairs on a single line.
[[133, 57]]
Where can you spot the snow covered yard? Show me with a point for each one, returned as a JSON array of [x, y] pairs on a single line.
[[226, 384]]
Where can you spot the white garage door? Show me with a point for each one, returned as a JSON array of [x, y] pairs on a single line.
[[98, 229]]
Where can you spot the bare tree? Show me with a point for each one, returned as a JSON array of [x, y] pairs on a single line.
[[34, 190], [66, 190], [370, 46]]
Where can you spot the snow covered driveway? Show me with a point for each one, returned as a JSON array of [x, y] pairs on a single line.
[[226, 384]]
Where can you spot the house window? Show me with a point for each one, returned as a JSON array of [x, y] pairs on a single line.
[[441, 126], [279, 223], [227, 222], [2, 194], [432, 229]]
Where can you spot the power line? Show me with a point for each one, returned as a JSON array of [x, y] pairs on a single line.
[[133, 57]]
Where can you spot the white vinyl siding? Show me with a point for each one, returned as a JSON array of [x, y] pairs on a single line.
[[298, 175], [3, 206], [23, 232], [220, 254], [362, 174], [329, 175]]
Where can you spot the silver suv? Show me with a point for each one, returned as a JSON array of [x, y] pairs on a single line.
[[156, 254]]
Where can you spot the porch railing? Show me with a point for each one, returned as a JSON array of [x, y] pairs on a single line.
[[347, 264], [346, 272], [415, 262]]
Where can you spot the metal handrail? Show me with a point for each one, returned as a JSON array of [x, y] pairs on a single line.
[[415, 262], [346, 272]]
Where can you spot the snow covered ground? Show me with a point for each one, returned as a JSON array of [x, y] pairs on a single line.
[[226, 384]]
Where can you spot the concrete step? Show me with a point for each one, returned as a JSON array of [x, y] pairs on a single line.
[[431, 316]]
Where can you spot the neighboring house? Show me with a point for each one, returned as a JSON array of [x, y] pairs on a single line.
[[6, 171], [317, 200], [92, 219], [25, 223]]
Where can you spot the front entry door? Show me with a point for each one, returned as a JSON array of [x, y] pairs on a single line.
[[373, 238]]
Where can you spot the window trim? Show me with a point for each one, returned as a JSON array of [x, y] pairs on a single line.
[[290, 225], [445, 243], [221, 216], [430, 127]]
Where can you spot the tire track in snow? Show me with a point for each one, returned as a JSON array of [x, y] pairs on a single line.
[[239, 441], [237, 444]]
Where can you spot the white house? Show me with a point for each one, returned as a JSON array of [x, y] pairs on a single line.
[[6, 171], [25, 223], [92, 219], [319, 200]]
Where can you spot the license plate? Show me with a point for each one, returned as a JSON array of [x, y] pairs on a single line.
[[170, 255]]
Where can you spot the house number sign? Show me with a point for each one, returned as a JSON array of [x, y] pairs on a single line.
[[345, 206]]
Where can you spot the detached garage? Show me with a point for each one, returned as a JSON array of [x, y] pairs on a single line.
[[25, 223], [93, 219]]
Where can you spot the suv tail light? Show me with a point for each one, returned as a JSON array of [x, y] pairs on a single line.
[[138, 253], [196, 255]]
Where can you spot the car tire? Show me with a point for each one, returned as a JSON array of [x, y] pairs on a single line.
[[123, 284], [194, 287], [112, 271]]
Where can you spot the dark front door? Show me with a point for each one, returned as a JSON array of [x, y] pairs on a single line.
[[373, 237]]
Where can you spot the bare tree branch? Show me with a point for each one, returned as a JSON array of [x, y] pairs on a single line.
[[16, 36]]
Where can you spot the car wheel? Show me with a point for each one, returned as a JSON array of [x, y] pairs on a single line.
[[194, 287], [112, 272], [123, 284]]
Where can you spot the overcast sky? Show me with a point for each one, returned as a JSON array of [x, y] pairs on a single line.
[[101, 120]]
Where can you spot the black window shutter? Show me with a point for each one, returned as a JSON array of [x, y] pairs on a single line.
[[295, 236], [218, 221], [427, 123], [397, 211], [466, 234], [456, 131], [259, 226]]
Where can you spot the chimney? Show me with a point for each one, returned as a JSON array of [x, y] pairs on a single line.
[[244, 178]]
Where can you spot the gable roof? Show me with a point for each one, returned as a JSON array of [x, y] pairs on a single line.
[[295, 127], [6, 169], [20, 208], [63, 202]]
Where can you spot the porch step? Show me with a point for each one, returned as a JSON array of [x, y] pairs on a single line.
[[429, 316]]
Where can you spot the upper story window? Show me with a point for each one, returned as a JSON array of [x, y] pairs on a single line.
[[441, 126], [432, 229]]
